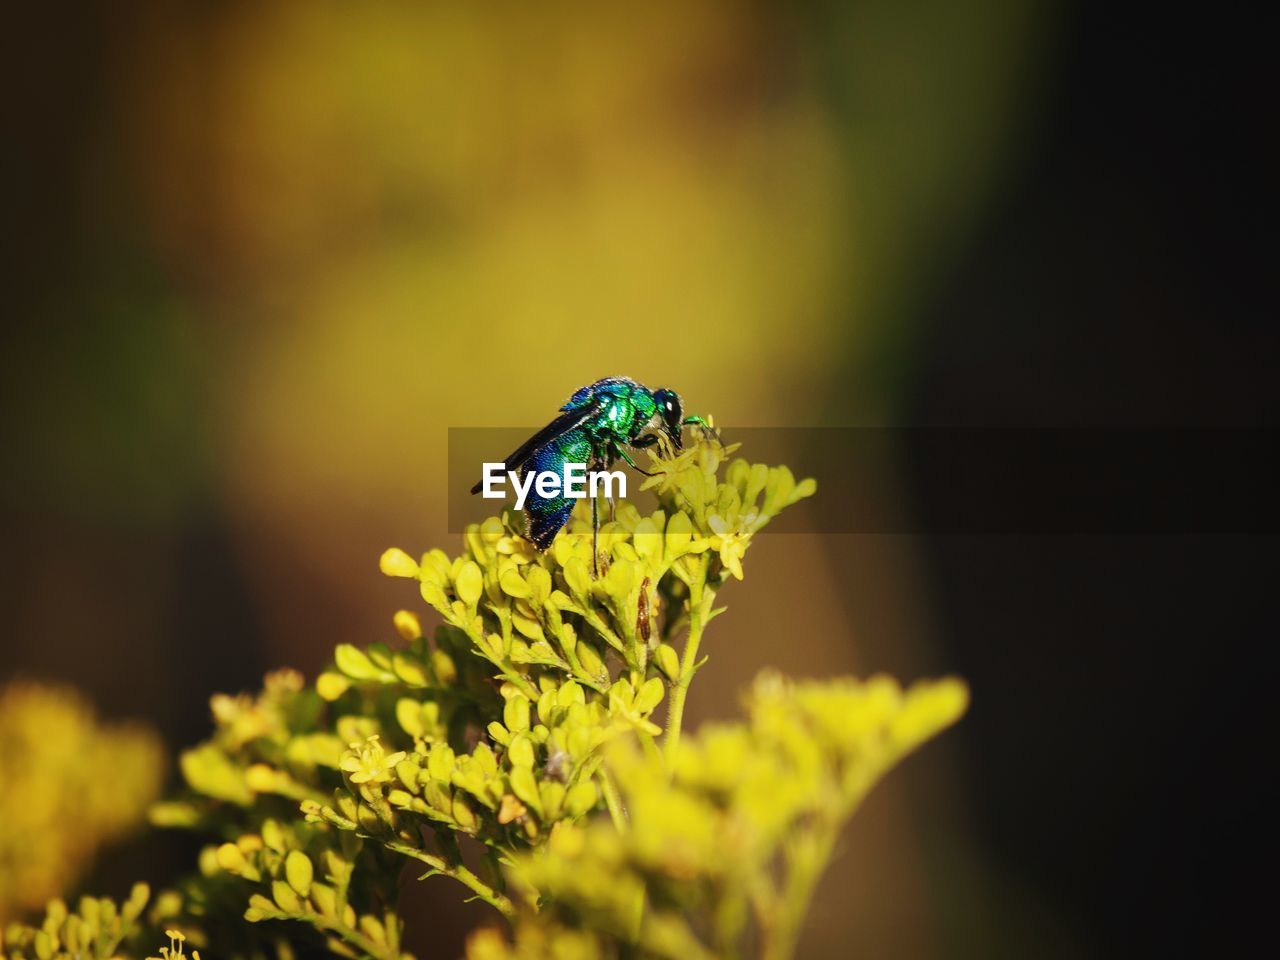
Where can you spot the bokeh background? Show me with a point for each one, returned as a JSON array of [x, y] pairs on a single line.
[[264, 255]]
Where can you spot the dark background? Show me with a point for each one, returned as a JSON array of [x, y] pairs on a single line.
[[1123, 280], [1111, 275]]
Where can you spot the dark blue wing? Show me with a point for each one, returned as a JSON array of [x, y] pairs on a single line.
[[542, 526], [544, 516], [556, 428]]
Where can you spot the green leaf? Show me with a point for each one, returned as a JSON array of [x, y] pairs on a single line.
[[352, 661], [469, 584], [539, 585], [325, 900], [272, 835], [570, 692], [583, 796], [668, 661], [650, 695], [209, 771], [516, 714], [409, 670], [397, 563], [409, 716], [577, 579], [331, 685], [440, 762], [513, 584], [524, 786], [299, 872], [284, 897], [520, 753]]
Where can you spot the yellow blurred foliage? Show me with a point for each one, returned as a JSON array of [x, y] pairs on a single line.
[[413, 216], [70, 784]]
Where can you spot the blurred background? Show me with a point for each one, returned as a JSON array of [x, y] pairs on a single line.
[[264, 255]]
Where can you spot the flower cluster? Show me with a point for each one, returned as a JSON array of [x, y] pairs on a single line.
[[724, 848], [270, 754], [60, 765], [529, 747], [96, 930], [175, 949]]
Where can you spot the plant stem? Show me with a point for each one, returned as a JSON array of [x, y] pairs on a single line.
[[596, 622], [504, 664], [619, 816], [806, 861], [699, 602], [613, 801], [353, 937], [575, 665], [459, 873]]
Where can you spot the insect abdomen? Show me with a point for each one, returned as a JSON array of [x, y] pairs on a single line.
[[545, 516]]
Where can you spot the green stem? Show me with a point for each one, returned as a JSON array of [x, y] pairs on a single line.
[[650, 746], [613, 801], [522, 684], [575, 667], [459, 873], [806, 863], [353, 937], [596, 622], [504, 664], [619, 816], [699, 603]]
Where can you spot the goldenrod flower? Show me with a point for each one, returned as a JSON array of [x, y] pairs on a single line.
[[731, 540], [367, 762]]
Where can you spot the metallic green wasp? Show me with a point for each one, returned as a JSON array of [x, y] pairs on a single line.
[[599, 425]]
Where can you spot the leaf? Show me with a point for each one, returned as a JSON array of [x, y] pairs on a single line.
[[524, 786], [650, 695], [354, 663], [284, 896], [582, 798], [331, 685], [397, 563], [513, 584], [469, 584], [409, 716], [209, 771], [668, 661], [577, 579], [516, 713], [299, 871], [409, 670], [570, 692], [520, 752]]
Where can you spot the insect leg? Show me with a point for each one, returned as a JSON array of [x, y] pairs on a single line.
[[595, 537], [641, 443], [707, 429], [597, 462]]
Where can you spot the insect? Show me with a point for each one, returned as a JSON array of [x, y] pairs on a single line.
[[642, 611], [599, 425]]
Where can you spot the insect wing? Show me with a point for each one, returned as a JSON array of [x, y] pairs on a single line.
[[553, 430], [544, 516]]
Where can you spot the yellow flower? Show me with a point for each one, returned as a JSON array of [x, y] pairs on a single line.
[[368, 763], [174, 950], [731, 540]]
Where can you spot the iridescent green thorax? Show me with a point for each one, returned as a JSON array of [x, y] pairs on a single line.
[[623, 408]]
